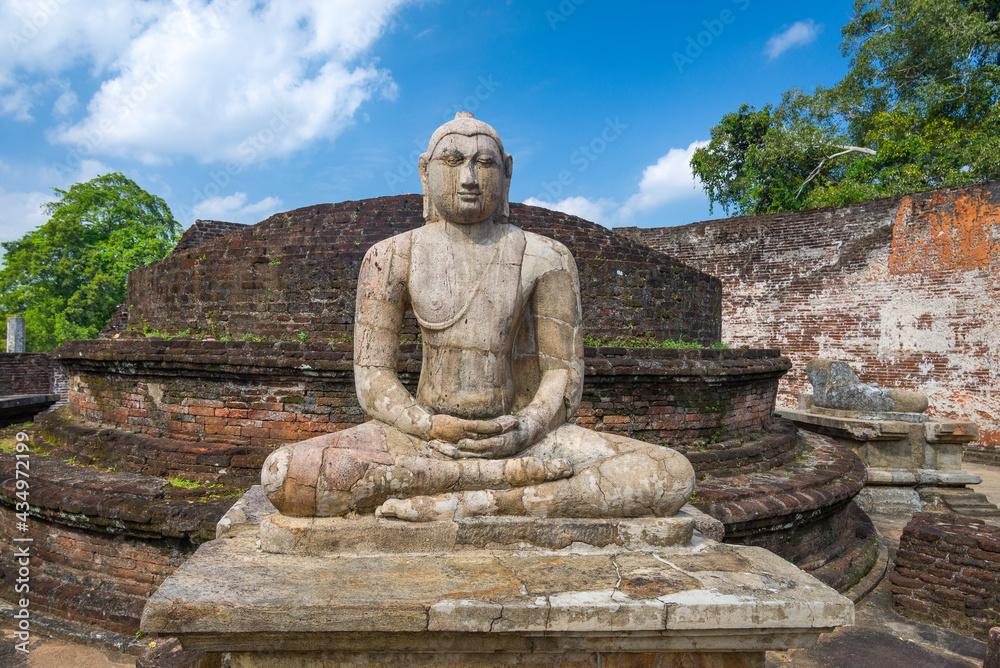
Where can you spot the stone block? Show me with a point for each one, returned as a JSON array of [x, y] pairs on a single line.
[[488, 606]]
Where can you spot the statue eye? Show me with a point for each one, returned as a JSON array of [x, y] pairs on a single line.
[[453, 160], [486, 161]]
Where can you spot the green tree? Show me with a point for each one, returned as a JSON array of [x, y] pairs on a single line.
[[918, 109], [67, 276]]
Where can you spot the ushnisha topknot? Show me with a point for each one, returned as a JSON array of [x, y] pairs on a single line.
[[466, 124]]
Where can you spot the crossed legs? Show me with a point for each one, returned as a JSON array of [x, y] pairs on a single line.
[[572, 472]]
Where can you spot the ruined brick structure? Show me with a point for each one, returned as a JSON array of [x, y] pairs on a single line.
[[947, 573], [213, 410], [203, 231], [295, 275], [102, 541], [906, 289]]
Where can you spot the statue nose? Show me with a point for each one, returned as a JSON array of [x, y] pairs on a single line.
[[469, 173]]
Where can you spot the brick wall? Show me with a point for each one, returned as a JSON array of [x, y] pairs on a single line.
[[33, 373], [101, 541], [947, 572], [906, 289], [117, 323], [203, 231], [94, 578], [238, 400], [295, 274], [26, 373]]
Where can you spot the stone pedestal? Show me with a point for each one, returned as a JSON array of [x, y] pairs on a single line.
[[635, 592], [903, 452]]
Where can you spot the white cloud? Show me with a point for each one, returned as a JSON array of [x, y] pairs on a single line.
[[233, 208], [21, 212], [670, 179], [45, 38], [596, 211], [17, 103], [64, 103], [87, 170], [228, 80], [799, 33]]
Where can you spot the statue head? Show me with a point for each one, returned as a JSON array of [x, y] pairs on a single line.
[[465, 173]]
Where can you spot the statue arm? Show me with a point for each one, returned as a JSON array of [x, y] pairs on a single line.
[[381, 304], [557, 312]]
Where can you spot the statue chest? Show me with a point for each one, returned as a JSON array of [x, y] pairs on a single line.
[[468, 297]]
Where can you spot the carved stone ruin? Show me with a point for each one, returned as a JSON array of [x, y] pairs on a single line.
[[468, 523], [913, 459]]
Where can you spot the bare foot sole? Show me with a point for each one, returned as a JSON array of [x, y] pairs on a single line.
[[439, 507]]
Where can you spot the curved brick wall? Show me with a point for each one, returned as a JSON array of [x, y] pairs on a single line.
[[203, 407], [214, 410], [791, 494], [102, 541], [296, 273]]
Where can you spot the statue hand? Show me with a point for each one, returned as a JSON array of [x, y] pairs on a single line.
[[518, 433], [451, 429]]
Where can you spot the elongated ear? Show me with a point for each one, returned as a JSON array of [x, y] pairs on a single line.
[[508, 168], [430, 213]]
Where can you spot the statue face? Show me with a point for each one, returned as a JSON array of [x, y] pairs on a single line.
[[465, 178]]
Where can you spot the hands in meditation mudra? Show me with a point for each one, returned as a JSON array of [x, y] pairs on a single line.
[[500, 318]]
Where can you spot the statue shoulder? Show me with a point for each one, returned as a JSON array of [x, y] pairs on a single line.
[[398, 245], [546, 254], [385, 269]]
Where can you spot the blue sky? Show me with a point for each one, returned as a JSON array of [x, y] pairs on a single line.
[[234, 110]]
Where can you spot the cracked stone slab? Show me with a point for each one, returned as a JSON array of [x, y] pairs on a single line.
[[706, 596], [282, 534]]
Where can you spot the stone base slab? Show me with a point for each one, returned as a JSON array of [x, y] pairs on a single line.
[[568, 660], [889, 500], [885, 416], [724, 605], [282, 534], [863, 427]]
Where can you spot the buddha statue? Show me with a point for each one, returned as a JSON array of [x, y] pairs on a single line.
[[487, 430]]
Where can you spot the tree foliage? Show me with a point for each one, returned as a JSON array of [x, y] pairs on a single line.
[[67, 277], [918, 109]]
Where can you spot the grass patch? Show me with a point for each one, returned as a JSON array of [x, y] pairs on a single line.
[[8, 445], [193, 484], [628, 342]]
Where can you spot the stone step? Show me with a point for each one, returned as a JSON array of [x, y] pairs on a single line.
[[963, 502]]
